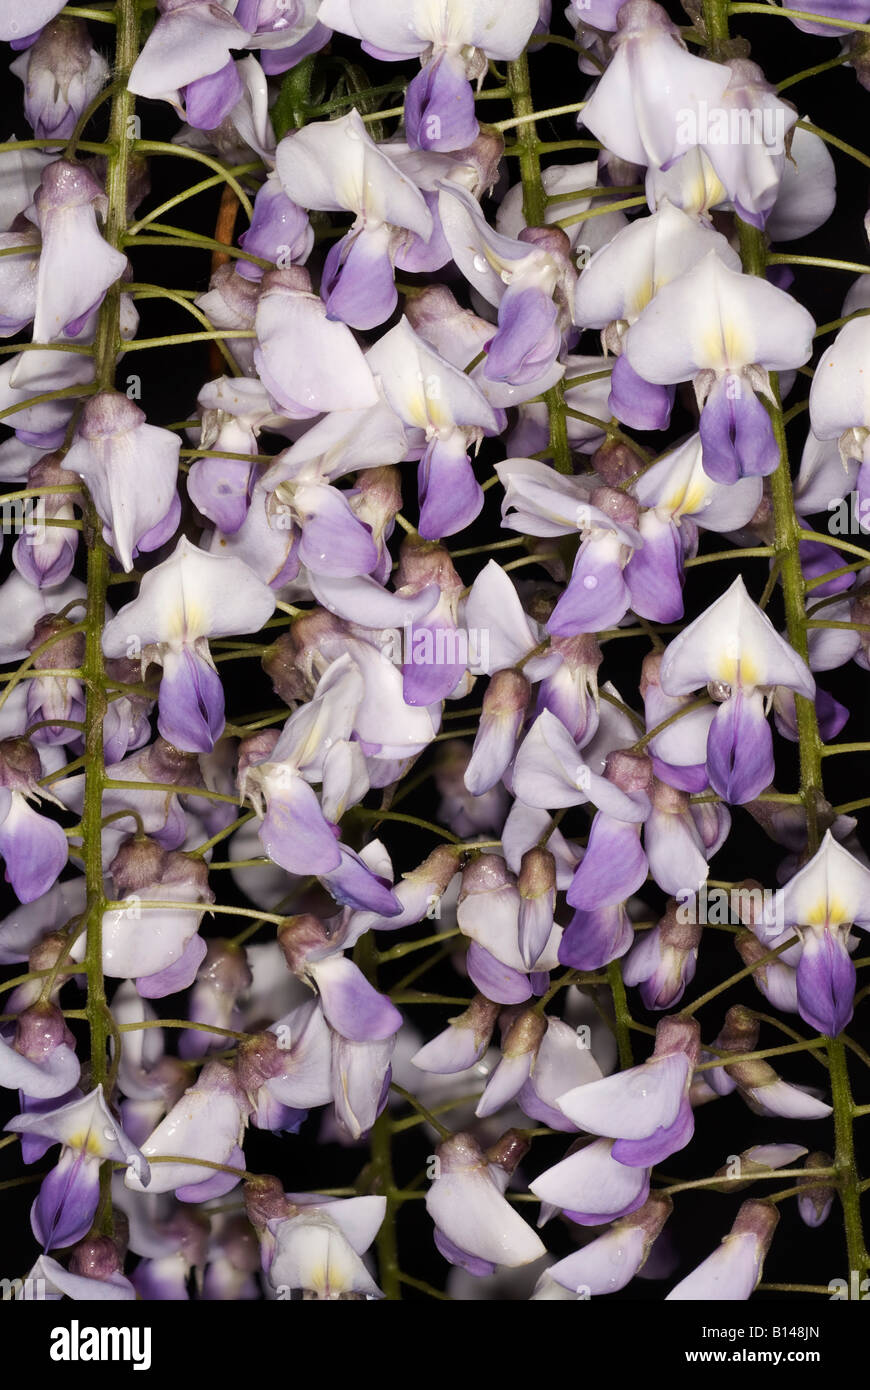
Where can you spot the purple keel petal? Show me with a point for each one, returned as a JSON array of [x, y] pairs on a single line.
[[191, 701], [736, 433], [333, 540], [825, 982], [354, 885], [216, 1186], [358, 284], [295, 832], [655, 573], [67, 1201], [352, 1006], [209, 99], [528, 338], [613, 867], [637, 403], [432, 669], [597, 595], [450, 495], [452, 1253], [499, 982], [220, 488], [740, 749], [644, 1153], [439, 106], [180, 975], [593, 939], [34, 847]]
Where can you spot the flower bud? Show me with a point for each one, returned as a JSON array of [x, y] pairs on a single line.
[[537, 888], [619, 506], [140, 862], [762, 1158], [502, 716], [463, 1042], [520, 1046], [39, 1030], [96, 1257], [298, 937], [616, 462], [776, 980], [817, 1195], [62, 73], [508, 1152], [663, 961], [66, 652], [163, 762], [20, 766], [424, 562], [631, 772]]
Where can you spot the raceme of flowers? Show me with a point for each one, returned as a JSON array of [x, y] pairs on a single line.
[[414, 299]]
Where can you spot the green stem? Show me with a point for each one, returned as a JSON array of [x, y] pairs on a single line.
[[534, 211], [849, 1184], [106, 348], [787, 534], [381, 1166]]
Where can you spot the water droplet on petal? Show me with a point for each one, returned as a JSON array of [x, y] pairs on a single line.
[[590, 582], [479, 264]]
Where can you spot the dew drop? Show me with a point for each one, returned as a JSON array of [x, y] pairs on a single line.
[[479, 264], [590, 582]]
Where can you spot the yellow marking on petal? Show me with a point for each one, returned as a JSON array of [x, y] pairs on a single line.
[[416, 407], [687, 499], [642, 297], [86, 1140], [737, 669], [724, 346]]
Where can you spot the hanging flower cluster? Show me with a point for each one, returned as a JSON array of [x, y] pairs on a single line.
[[309, 714]]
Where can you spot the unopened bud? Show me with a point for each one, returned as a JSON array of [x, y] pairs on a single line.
[[298, 936], [426, 562], [631, 772], [817, 1194], [678, 1033], [140, 862], [616, 462], [96, 1257], [20, 765], [65, 652], [39, 1030], [509, 1151], [619, 506]]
